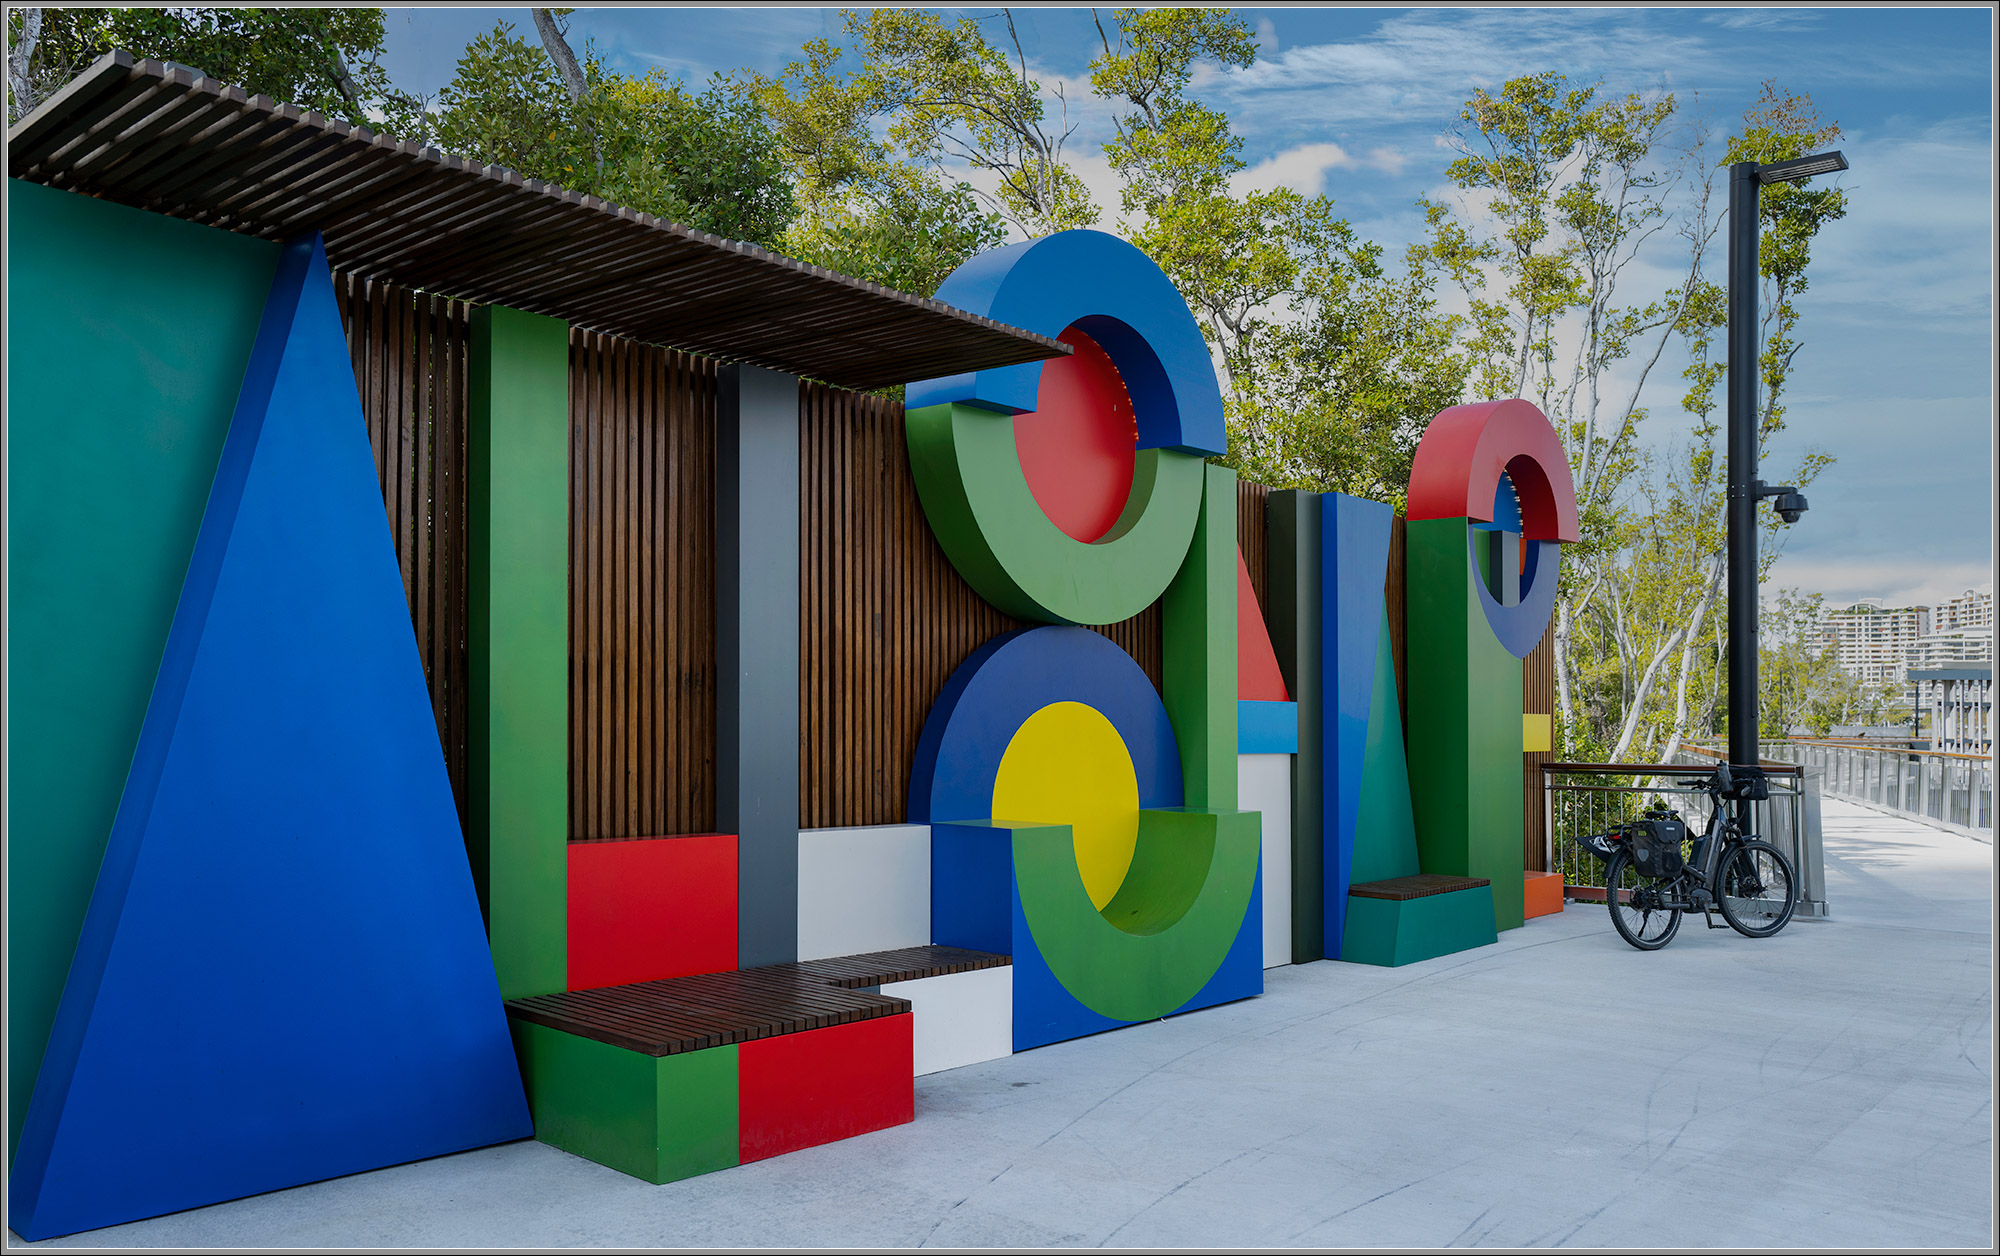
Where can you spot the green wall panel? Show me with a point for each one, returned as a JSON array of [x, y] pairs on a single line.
[[1465, 720], [659, 1119], [127, 337], [1198, 649], [518, 624]]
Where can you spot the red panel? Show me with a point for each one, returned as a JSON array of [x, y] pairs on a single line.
[[801, 1090], [1257, 676], [650, 908], [1466, 449], [1076, 447]]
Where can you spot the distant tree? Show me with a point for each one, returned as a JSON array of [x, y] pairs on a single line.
[[863, 210], [322, 59], [709, 161], [1330, 363]]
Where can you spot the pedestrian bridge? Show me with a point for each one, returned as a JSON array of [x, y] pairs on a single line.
[[1829, 1087]]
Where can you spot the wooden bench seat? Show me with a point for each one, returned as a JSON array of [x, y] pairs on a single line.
[[1422, 885], [666, 1079], [681, 1014]]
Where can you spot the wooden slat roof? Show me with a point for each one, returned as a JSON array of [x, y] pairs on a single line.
[[165, 139]]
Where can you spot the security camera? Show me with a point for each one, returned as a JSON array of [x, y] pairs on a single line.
[[1791, 503]]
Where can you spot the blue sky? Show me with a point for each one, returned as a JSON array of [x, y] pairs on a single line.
[[1896, 375]]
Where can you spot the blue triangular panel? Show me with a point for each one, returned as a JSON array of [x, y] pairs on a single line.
[[283, 974], [1354, 562]]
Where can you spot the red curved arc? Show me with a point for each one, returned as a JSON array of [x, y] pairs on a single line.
[[1466, 449]]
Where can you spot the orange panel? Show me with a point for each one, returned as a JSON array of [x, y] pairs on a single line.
[[1542, 894]]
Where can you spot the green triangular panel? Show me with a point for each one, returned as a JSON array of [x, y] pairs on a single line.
[[1385, 835]]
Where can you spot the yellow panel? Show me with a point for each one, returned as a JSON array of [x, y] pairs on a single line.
[[1067, 765], [1538, 732]]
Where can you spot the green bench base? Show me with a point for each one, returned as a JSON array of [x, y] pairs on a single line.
[[658, 1118], [1390, 933]]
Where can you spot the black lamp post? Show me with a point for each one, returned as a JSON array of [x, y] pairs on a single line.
[[1745, 489]]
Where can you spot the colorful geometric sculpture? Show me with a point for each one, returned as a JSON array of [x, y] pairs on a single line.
[[105, 490], [1385, 931], [1077, 447], [1179, 928], [1115, 294], [1104, 555], [1471, 616], [1267, 720], [1354, 556], [282, 976]]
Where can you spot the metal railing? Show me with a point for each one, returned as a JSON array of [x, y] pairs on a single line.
[[1951, 790], [1583, 798]]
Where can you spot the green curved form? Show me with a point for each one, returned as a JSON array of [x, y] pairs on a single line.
[[984, 514], [1169, 927]]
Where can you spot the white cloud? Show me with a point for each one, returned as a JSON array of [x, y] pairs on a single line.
[[1763, 20]]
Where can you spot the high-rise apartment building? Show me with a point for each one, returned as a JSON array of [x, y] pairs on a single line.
[[1968, 612], [1870, 640]]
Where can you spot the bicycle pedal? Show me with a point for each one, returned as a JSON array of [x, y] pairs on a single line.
[[1709, 916]]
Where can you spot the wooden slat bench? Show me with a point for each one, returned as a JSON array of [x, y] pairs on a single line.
[[1422, 885], [667, 1079]]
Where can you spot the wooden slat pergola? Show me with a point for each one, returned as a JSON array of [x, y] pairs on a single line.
[[162, 138]]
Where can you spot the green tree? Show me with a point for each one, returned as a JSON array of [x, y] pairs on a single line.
[[952, 95], [709, 162], [863, 210], [326, 60], [1580, 187], [1329, 364]]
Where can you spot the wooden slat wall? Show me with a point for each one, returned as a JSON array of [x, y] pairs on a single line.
[[1253, 536], [1538, 697], [884, 618], [642, 590], [409, 367]]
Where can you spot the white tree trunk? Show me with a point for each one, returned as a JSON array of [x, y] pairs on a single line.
[[20, 60]]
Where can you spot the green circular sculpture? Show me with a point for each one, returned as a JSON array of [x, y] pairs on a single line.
[[985, 516]]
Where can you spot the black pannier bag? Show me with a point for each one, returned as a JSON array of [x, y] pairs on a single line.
[[1655, 846], [1747, 784]]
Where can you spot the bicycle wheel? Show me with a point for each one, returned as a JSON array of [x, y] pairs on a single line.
[[1635, 905], [1759, 891]]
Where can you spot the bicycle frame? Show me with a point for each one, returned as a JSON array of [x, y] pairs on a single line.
[[1722, 835]]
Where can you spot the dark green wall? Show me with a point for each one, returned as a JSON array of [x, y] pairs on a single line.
[[127, 335]]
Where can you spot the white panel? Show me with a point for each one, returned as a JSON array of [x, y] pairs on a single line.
[[959, 1019], [864, 889], [1264, 783]]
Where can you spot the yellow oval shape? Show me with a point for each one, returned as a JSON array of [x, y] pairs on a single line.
[[1066, 764]]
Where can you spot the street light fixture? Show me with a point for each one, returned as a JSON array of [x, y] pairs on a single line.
[[1745, 489]]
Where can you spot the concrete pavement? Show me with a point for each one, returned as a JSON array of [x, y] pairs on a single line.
[[1829, 1087]]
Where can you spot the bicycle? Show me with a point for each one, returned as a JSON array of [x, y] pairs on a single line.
[[1648, 885]]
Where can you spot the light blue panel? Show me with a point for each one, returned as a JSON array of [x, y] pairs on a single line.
[[1267, 727], [283, 974], [1354, 564]]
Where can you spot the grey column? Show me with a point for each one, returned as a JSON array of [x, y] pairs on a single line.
[[1294, 596], [757, 653]]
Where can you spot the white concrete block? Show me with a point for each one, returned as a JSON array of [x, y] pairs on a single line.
[[1264, 783], [960, 1018], [864, 889]]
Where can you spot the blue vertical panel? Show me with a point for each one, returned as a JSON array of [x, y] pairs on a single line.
[[283, 974], [1354, 564]]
